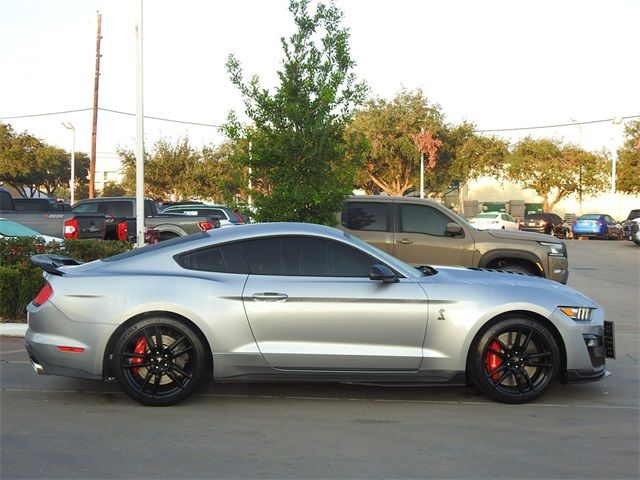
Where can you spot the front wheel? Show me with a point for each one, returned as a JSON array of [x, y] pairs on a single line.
[[514, 361], [159, 361]]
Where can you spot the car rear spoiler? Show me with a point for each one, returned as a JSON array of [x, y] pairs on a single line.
[[51, 263]]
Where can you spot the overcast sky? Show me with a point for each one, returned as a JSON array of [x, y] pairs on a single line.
[[499, 64]]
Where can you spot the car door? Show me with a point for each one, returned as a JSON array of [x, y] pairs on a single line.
[[421, 238], [312, 306]]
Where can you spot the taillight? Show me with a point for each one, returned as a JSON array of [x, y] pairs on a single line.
[[43, 295], [71, 228], [204, 226], [122, 231]]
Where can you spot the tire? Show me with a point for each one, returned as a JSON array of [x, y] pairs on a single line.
[[515, 360], [516, 267], [158, 375], [168, 236]]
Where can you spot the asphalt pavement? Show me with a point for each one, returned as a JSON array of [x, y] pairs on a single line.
[[55, 427]]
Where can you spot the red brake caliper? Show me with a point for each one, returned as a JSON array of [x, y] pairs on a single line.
[[493, 360], [141, 347]]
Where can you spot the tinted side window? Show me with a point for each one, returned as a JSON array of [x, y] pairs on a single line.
[[89, 207], [423, 219], [227, 258], [305, 256], [6, 203], [366, 216], [119, 209]]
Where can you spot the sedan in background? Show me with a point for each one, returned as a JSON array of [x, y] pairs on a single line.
[[9, 229], [548, 223], [302, 302], [494, 221], [225, 214], [597, 225]]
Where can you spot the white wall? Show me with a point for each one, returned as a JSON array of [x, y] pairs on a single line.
[[488, 189]]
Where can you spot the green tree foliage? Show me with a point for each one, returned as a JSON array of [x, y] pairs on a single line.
[[297, 148], [221, 176], [114, 189], [628, 165], [30, 165], [169, 170], [555, 171], [386, 134]]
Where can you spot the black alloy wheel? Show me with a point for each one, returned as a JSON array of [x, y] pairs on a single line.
[[515, 361], [159, 361]]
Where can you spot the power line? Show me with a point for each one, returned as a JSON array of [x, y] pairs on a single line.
[[46, 114], [199, 124], [161, 118], [571, 124]]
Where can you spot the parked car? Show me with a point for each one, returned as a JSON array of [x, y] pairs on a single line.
[[597, 225], [10, 229], [302, 302], [70, 225], [548, 223], [634, 231], [495, 221], [121, 218], [424, 232], [226, 215], [628, 223], [41, 205]]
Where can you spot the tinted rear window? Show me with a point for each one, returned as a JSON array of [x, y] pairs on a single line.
[[590, 217], [366, 216], [156, 246]]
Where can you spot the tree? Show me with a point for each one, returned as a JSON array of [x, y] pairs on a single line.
[[297, 134], [224, 178], [390, 135], [170, 170], [17, 158], [30, 165], [628, 165], [555, 171]]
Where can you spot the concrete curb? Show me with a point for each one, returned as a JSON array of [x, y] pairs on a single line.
[[13, 329]]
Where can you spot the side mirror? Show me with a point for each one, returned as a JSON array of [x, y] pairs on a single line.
[[382, 273], [453, 229]]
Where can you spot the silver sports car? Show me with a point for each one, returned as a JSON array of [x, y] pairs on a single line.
[[299, 302]]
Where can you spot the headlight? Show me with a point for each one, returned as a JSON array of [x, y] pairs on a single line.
[[557, 249], [579, 314]]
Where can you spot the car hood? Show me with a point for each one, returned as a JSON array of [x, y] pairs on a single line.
[[518, 235], [518, 286]]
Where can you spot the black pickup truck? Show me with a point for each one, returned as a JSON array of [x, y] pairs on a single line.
[[50, 218], [121, 220]]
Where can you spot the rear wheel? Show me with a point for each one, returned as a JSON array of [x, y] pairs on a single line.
[[159, 361], [514, 361]]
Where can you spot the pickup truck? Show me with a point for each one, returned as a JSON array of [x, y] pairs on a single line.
[[121, 221], [423, 232], [50, 220]]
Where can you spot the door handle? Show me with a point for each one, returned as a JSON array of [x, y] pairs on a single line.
[[405, 241], [270, 297]]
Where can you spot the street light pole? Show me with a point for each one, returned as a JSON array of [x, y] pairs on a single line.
[[422, 170], [580, 171], [72, 180], [139, 131]]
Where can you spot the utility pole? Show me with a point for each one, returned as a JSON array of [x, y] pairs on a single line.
[[92, 164]]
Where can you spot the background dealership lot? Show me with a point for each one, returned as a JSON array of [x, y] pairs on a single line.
[[54, 427]]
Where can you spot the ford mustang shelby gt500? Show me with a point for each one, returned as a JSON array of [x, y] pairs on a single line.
[[300, 302]]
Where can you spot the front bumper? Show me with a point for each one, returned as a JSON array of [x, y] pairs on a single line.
[[558, 269]]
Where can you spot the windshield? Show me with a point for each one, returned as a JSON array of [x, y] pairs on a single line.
[[404, 268], [12, 229]]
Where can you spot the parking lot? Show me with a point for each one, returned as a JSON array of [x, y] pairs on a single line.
[[55, 427]]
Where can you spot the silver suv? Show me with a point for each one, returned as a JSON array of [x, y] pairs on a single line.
[[423, 232]]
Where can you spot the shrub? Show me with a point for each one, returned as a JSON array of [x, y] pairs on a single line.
[[20, 279]]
